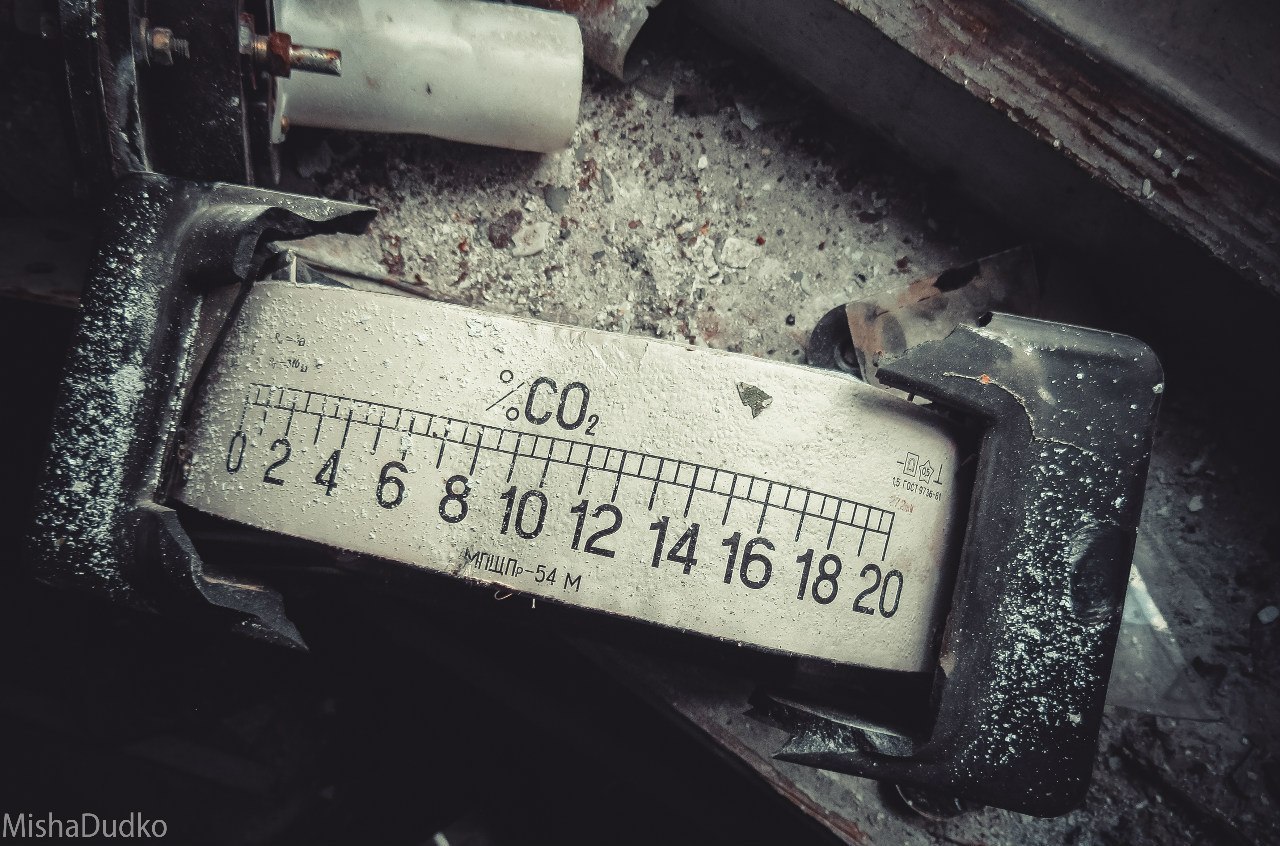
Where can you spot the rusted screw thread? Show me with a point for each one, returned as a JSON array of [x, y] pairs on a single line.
[[259, 52], [162, 45]]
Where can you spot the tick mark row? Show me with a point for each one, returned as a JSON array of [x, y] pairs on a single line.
[[622, 463]]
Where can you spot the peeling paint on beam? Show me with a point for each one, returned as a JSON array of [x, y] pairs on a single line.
[[1201, 185]]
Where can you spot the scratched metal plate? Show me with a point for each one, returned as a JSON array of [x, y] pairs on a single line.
[[764, 503]]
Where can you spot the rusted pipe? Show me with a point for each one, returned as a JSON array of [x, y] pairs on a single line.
[[279, 56]]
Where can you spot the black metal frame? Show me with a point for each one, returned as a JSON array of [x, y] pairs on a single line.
[[100, 524], [1069, 416], [205, 116]]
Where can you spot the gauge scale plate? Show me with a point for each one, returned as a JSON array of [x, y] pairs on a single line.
[[763, 503]]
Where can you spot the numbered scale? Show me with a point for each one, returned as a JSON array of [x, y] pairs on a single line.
[[763, 503]]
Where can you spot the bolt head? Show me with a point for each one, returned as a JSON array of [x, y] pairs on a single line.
[[160, 45], [163, 46]]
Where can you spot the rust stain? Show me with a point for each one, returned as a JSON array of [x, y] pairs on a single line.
[[279, 47]]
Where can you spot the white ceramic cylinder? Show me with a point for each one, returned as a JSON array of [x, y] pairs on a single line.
[[484, 73]]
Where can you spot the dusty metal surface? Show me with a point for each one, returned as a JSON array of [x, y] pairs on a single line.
[[1069, 417], [120, 405]]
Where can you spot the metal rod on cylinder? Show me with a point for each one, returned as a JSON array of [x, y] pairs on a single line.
[[279, 56], [315, 60]]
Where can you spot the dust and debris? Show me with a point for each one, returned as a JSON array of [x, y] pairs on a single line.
[[738, 253], [556, 197], [1199, 464], [531, 239], [678, 223], [502, 231], [104, 398], [314, 159]]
